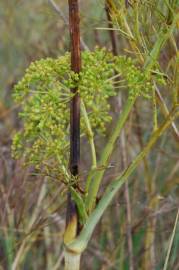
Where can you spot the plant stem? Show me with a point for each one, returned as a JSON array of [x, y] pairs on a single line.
[[164, 34], [72, 260], [75, 102], [72, 217], [89, 134], [80, 243], [95, 180]]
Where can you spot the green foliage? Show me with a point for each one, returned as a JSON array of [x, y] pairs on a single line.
[[138, 82], [44, 94]]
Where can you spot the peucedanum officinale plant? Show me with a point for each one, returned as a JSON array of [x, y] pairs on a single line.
[[44, 95]]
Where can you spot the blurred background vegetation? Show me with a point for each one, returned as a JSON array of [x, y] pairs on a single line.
[[135, 231]]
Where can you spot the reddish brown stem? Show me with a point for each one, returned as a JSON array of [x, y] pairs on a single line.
[[74, 27], [74, 21]]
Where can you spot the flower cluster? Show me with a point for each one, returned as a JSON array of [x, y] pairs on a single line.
[[44, 94], [137, 82]]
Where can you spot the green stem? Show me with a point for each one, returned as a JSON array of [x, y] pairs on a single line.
[[93, 182], [89, 134], [92, 145], [80, 205], [80, 243], [164, 34]]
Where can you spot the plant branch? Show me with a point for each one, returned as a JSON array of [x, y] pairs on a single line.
[[149, 63], [89, 134], [106, 154], [80, 243]]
